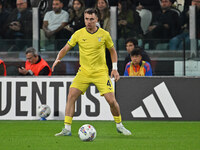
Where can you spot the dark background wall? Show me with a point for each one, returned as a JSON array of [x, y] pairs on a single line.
[[130, 92]]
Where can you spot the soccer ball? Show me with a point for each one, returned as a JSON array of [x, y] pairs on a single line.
[[44, 111], [87, 133]]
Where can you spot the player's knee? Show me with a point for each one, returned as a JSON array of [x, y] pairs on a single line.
[[71, 97], [111, 103]]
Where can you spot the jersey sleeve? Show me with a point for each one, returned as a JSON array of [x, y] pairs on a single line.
[[109, 42], [73, 40]]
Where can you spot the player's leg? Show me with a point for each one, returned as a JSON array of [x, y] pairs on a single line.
[[78, 86], [115, 110], [105, 87], [114, 106], [73, 95]]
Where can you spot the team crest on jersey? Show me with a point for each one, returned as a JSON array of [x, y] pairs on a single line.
[[99, 39]]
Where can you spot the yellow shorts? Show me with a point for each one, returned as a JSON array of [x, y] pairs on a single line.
[[100, 80]]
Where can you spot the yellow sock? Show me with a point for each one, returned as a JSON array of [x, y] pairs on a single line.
[[68, 120], [118, 119]]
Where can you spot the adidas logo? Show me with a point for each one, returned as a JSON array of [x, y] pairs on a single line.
[[153, 108]]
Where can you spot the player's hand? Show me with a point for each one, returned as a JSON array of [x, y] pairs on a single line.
[[115, 74], [54, 64]]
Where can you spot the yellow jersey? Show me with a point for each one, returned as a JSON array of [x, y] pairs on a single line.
[[92, 49]]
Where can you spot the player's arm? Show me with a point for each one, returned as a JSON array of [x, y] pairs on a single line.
[[114, 72], [60, 55]]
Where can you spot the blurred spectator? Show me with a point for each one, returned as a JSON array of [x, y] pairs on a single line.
[[3, 16], [35, 65], [165, 24], [187, 3], [91, 3], [176, 43], [128, 22], [9, 4], [137, 67], [53, 26], [2, 68], [46, 5], [104, 19], [19, 26], [131, 43], [55, 20], [76, 16], [152, 5]]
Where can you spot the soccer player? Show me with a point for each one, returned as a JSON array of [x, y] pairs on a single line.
[[92, 42]]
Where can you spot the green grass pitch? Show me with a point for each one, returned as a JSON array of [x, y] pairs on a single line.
[[147, 135]]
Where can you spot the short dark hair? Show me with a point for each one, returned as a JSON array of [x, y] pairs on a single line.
[[136, 51], [59, 0], [172, 1], [25, 1], [31, 50], [91, 11], [132, 40], [81, 2]]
